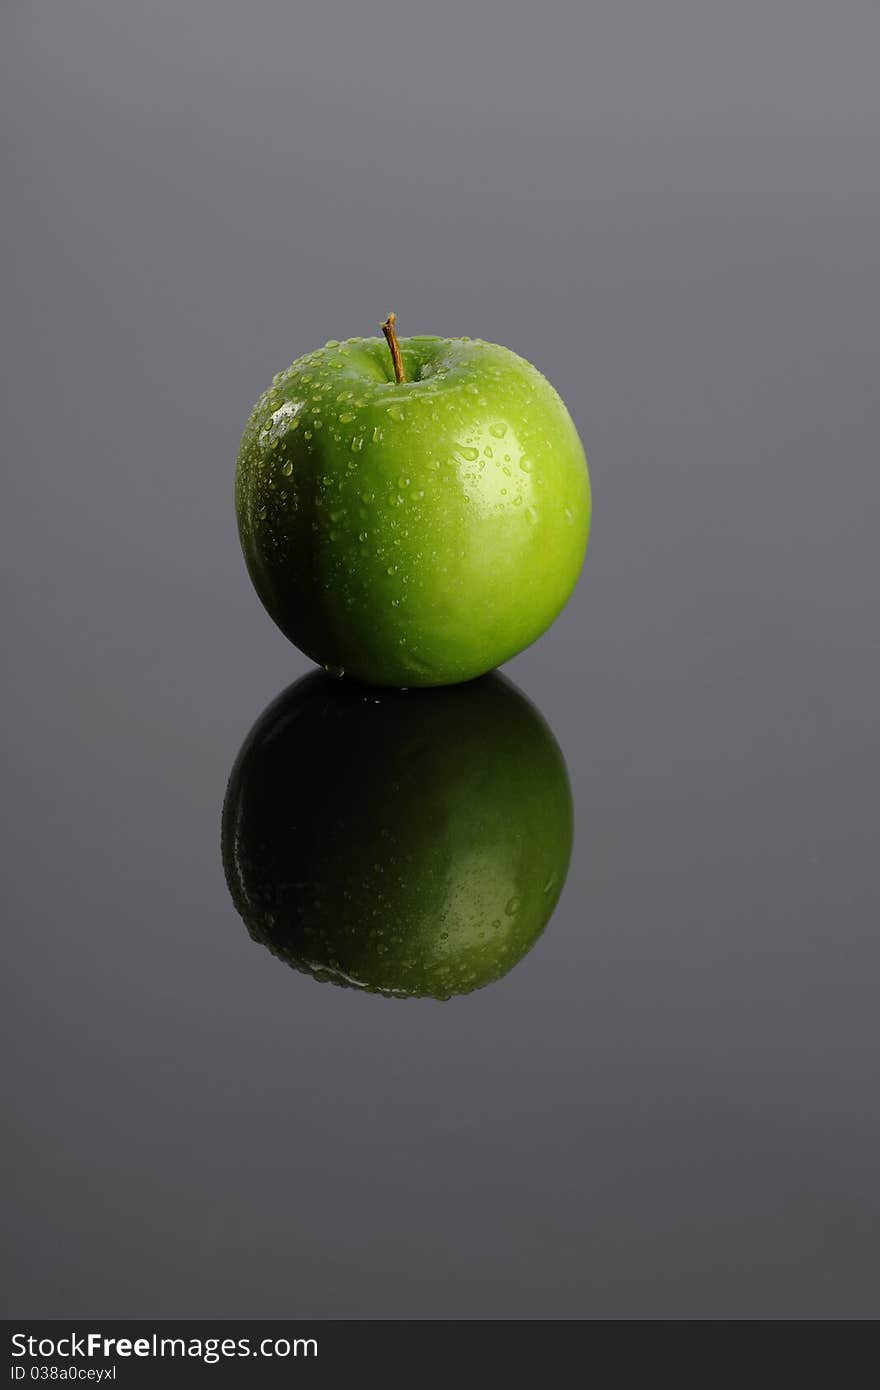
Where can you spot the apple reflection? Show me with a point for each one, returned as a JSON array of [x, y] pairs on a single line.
[[409, 843]]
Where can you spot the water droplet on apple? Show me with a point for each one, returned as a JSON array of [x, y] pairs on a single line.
[[287, 468], [467, 453], [511, 907], [345, 417], [531, 514], [332, 342], [526, 465], [499, 430], [362, 535], [357, 443]]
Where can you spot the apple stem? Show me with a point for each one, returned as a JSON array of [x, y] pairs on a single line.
[[394, 346]]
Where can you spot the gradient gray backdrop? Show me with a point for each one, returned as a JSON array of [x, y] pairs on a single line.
[[673, 208]]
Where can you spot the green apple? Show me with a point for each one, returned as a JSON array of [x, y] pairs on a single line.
[[409, 843], [413, 516]]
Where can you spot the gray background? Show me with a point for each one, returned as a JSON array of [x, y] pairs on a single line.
[[673, 208]]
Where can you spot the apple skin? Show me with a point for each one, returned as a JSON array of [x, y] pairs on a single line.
[[412, 533], [405, 843]]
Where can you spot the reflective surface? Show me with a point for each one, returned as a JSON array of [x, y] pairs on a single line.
[[410, 843], [669, 1106]]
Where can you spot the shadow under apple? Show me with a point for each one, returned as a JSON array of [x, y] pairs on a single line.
[[409, 843]]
